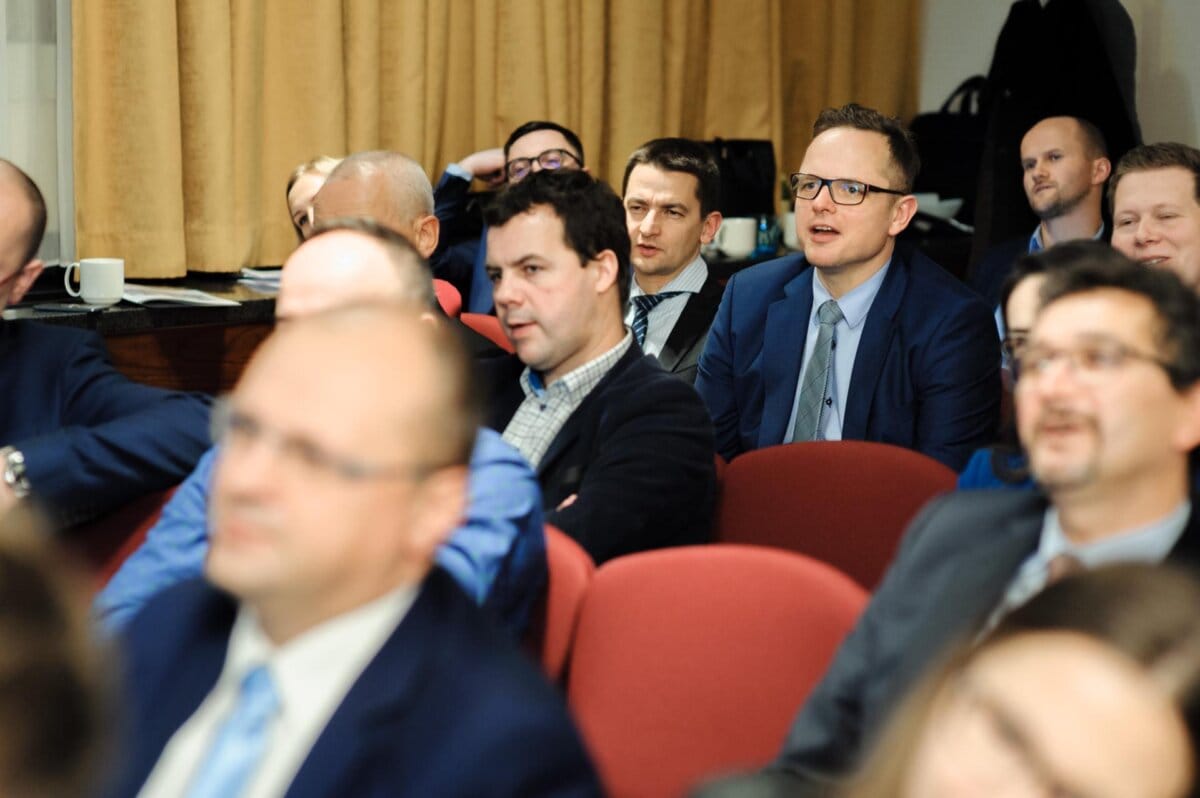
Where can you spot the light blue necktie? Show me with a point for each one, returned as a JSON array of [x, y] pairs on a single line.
[[811, 411], [642, 305], [241, 741]]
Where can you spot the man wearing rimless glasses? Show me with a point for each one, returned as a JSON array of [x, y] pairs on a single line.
[[855, 338], [461, 256]]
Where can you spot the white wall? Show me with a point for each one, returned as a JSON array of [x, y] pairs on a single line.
[[959, 36]]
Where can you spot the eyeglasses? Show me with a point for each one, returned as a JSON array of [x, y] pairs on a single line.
[[518, 168], [1091, 363], [841, 191], [234, 429]]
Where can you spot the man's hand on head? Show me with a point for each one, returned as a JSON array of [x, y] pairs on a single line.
[[486, 165]]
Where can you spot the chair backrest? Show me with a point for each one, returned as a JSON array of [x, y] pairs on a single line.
[[106, 542], [448, 297], [843, 502], [690, 662], [489, 327], [553, 620]]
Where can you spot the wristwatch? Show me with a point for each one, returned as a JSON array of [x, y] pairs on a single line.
[[13, 463]]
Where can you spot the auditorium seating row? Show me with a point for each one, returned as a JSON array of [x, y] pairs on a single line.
[[681, 664]]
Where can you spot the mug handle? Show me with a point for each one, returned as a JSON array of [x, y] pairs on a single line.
[[67, 279]]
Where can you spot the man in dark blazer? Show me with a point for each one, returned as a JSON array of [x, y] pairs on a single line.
[[324, 656], [671, 189], [1108, 404], [76, 434], [622, 450], [854, 339]]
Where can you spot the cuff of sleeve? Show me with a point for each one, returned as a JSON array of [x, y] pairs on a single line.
[[455, 170]]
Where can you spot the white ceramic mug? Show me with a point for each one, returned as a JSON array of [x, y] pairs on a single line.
[[787, 223], [737, 236], [101, 280]]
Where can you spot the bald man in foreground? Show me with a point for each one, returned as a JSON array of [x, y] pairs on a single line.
[[325, 655], [497, 553]]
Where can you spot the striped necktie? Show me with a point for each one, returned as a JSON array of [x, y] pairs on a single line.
[[642, 305]]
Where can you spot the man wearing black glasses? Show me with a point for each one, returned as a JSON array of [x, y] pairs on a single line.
[[855, 338], [461, 256]]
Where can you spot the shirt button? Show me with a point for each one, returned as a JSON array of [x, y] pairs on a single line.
[[829, 402]]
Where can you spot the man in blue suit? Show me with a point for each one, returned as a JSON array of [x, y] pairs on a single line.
[[326, 654], [854, 339], [75, 434]]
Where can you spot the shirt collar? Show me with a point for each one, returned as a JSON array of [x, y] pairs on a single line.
[[1035, 240], [1148, 543], [855, 303], [319, 652], [690, 280], [580, 380]]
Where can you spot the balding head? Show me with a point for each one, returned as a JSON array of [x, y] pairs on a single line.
[[385, 186], [22, 224], [352, 261], [342, 465]]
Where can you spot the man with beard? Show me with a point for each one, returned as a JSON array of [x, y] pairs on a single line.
[[1064, 161], [1108, 404]]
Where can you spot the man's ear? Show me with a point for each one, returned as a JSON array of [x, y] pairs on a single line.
[[25, 281], [439, 509], [425, 235], [708, 230], [902, 214], [1101, 169], [607, 267]]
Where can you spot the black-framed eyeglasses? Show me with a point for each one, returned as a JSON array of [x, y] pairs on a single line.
[[841, 190], [518, 168], [233, 429], [1091, 363]]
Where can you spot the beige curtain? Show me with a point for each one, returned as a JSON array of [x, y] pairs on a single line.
[[190, 115]]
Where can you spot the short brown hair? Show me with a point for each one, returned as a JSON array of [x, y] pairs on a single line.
[[1164, 155], [681, 155], [901, 144]]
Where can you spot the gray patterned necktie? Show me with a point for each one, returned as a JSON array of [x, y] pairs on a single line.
[[811, 411]]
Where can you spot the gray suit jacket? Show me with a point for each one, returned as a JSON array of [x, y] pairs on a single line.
[[954, 564]]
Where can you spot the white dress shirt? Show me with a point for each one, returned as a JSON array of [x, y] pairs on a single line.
[[311, 674], [661, 320]]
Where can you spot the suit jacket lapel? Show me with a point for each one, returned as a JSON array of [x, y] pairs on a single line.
[[380, 696], [877, 339], [692, 326], [782, 353], [965, 595], [570, 430]]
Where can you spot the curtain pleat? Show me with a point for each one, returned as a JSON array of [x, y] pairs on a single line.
[[189, 116]]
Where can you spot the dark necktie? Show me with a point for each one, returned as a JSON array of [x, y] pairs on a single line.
[[642, 305], [811, 411]]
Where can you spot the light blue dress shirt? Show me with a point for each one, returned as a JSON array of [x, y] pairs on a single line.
[[498, 555]]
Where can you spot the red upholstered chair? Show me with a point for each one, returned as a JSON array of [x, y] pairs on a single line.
[[843, 502], [691, 662], [106, 542], [552, 622], [489, 327], [448, 297]]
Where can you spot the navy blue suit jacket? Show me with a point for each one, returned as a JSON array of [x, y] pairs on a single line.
[[926, 375], [637, 452], [448, 707], [92, 439]]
